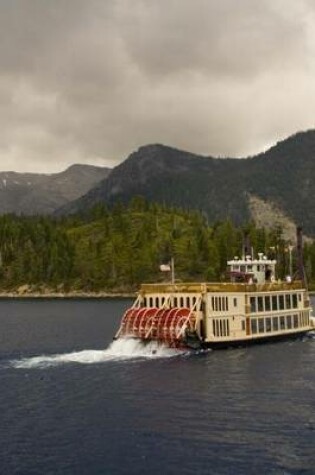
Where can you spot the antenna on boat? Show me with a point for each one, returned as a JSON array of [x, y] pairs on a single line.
[[299, 246]]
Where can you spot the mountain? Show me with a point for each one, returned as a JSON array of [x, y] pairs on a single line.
[[283, 177], [31, 193], [173, 177]]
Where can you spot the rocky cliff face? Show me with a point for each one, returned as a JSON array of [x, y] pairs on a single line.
[[31, 193]]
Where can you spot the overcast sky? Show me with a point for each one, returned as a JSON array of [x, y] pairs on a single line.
[[89, 81]]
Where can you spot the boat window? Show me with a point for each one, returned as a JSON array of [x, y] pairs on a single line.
[[281, 302], [213, 328], [289, 321], [252, 304], [220, 307], [260, 304], [275, 324], [151, 302], [144, 302], [294, 301], [254, 325], [228, 328], [227, 303], [181, 302], [282, 323], [288, 301], [267, 304], [261, 325], [235, 302], [194, 300], [212, 303], [295, 321], [268, 324], [300, 297], [221, 333], [217, 328], [305, 319], [274, 302], [224, 327], [188, 302]]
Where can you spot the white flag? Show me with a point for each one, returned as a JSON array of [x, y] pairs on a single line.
[[165, 268]]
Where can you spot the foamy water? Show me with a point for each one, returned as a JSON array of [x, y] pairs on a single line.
[[121, 349]]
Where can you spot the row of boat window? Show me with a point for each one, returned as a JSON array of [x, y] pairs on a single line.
[[274, 302], [274, 324], [220, 304], [221, 327], [184, 301]]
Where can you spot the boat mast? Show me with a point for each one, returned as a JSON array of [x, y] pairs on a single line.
[[172, 271]]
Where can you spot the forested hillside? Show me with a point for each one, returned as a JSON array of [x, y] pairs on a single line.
[[117, 250]]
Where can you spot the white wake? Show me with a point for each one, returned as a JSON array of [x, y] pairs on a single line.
[[121, 349]]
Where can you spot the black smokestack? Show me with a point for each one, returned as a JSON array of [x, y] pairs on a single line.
[[247, 250], [299, 244]]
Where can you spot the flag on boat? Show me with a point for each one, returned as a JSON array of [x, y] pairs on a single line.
[[165, 268]]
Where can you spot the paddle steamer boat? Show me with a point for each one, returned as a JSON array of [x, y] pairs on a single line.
[[253, 307]]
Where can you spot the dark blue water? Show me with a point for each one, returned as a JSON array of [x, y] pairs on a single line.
[[68, 405]]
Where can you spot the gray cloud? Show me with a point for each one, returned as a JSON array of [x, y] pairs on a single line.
[[91, 81]]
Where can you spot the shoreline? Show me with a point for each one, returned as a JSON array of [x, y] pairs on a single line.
[[77, 294], [66, 295]]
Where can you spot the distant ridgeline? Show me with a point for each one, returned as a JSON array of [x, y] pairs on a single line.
[[116, 250], [283, 177]]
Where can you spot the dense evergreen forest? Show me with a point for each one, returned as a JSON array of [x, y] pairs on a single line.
[[117, 249]]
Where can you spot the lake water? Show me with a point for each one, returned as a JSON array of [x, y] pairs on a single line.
[[71, 402]]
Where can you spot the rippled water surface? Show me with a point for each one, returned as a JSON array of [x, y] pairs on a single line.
[[73, 402]]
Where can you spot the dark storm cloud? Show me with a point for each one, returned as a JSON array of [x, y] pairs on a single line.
[[90, 81]]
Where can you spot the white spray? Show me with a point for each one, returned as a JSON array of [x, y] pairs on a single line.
[[118, 350]]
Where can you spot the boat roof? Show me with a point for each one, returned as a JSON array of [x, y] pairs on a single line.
[[204, 287]]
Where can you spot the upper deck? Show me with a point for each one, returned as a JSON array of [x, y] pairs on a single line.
[[220, 287]]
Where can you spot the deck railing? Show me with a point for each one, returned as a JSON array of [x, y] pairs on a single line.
[[197, 287]]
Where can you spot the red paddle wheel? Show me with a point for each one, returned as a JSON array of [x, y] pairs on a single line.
[[165, 325]]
